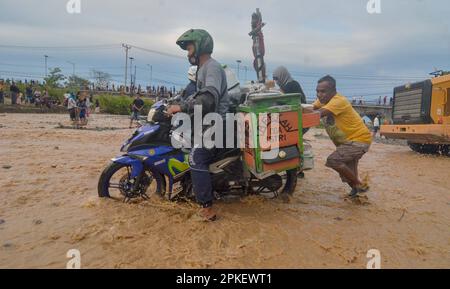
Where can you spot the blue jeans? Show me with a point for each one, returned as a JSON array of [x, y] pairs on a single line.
[[199, 160]]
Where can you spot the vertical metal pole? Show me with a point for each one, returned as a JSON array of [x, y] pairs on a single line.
[[127, 47], [46, 70]]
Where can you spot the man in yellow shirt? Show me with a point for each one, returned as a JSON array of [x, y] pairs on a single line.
[[347, 131]]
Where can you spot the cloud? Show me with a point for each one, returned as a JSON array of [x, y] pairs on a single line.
[[322, 35]]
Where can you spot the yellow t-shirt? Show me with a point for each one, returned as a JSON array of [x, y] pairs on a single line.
[[349, 126]]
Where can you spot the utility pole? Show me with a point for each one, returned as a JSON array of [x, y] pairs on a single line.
[[134, 81], [73, 67], [131, 73], [127, 47], [238, 64], [151, 74], [245, 68], [46, 70]]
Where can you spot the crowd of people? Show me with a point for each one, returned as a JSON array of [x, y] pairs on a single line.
[[80, 107], [32, 94], [156, 91], [381, 101]]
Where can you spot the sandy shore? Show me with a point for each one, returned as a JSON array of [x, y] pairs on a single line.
[[49, 204]]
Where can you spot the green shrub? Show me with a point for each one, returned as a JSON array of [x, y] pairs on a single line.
[[120, 105]]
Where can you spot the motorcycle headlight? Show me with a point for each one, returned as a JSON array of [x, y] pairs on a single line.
[[125, 147]]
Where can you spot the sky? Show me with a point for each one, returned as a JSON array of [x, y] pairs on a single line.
[[369, 54]]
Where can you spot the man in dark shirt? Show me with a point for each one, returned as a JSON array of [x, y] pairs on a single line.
[[288, 85], [136, 108], [14, 93], [29, 93]]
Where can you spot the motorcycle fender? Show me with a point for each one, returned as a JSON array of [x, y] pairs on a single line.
[[136, 165]]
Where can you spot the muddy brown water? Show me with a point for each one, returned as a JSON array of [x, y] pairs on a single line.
[[49, 204]]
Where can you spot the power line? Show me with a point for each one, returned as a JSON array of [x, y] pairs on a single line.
[[158, 52], [102, 46], [293, 72], [360, 77], [20, 65]]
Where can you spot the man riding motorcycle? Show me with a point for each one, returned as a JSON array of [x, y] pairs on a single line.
[[212, 95]]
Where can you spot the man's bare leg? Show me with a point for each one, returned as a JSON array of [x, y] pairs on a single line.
[[348, 173]]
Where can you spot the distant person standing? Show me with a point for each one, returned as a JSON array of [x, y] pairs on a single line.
[[14, 93], [136, 108], [97, 106], [29, 93], [82, 107], [2, 85], [72, 107], [376, 126], [19, 98], [46, 99], [37, 96]]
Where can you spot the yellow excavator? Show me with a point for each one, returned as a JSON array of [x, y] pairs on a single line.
[[421, 115]]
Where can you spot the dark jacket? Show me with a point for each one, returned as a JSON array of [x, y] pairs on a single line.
[[190, 89], [294, 87]]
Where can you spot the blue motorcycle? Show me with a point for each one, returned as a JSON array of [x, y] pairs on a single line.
[[150, 165]]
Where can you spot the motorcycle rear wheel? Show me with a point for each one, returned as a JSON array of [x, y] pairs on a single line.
[[289, 183]]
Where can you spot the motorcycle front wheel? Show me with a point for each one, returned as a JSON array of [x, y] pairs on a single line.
[[116, 183]]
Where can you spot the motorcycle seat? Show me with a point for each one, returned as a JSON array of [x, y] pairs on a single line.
[[225, 153]]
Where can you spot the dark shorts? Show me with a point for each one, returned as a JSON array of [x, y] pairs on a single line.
[[83, 114], [348, 154], [376, 128], [72, 113]]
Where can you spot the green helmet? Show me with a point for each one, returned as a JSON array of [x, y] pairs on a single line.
[[203, 42]]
